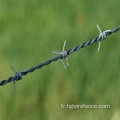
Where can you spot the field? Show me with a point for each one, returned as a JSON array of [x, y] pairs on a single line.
[[30, 30]]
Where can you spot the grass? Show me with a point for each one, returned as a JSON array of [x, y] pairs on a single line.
[[30, 30]]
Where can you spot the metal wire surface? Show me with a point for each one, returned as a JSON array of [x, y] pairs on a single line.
[[64, 54]]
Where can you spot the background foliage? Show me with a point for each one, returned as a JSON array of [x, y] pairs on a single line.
[[30, 30]]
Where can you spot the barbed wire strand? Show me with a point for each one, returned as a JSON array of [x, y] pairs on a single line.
[[18, 75], [64, 54]]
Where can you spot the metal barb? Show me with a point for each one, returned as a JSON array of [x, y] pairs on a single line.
[[102, 36], [99, 46], [64, 55], [17, 76], [13, 78]]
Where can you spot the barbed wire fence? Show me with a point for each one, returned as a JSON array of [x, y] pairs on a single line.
[[61, 55]]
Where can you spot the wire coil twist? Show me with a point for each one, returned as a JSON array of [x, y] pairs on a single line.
[[18, 75]]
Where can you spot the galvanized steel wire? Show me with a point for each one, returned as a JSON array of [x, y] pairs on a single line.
[[18, 75]]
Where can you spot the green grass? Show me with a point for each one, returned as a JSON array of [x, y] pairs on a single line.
[[30, 30]]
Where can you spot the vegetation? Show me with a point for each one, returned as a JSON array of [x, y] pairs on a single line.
[[30, 30]]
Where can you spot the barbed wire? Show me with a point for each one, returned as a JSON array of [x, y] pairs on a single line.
[[62, 55]]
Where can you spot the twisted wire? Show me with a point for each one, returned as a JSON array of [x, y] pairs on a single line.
[[18, 75]]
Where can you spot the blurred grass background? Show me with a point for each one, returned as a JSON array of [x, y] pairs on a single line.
[[30, 30]]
